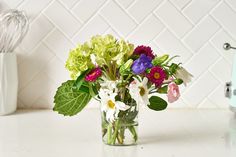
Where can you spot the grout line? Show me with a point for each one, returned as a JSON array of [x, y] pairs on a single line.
[[37, 46], [111, 26], [230, 6], [18, 5], [186, 5], [132, 4], [140, 25], [55, 26], [96, 13], [41, 12], [189, 20], [35, 75], [72, 13], [73, 5], [127, 13]]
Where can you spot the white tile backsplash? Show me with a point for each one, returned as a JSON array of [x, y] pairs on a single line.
[[59, 44], [147, 31], [221, 70], [167, 38], [195, 14], [33, 64], [142, 8], [225, 16], [62, 18], [194, 29], [96, 25], [173, 19], [200, 89], [180, 4], [125, 3], [199, 62], [33, 7], [39, 29], [201, 33], [219, 38], [118, 18], [86, 8]]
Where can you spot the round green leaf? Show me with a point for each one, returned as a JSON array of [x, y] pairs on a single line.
[[157, 103], [69, 101]]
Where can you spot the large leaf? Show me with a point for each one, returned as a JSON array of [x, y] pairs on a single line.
[[157, 103], [69, 101]]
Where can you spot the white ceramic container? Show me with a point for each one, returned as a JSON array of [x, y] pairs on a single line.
[[8, 83]]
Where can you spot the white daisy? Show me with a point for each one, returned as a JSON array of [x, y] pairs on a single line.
[[110, 105], [139, 91], [108, 85]]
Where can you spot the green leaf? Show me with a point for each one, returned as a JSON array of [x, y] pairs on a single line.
[[83, 88], [169, 60], [125, 68], [130, 116], [80, 79], [178, 81], [173, 68], [68, 101], [159, 60], [163, 90], [157, 103]]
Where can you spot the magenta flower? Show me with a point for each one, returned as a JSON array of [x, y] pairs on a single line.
[[144, 50], [157, 75], [93, 74], [173, 93]]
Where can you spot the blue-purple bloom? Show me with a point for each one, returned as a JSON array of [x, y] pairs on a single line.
[[141, 64]]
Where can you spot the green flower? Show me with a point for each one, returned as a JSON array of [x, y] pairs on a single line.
[[79, 60], [107, 49]]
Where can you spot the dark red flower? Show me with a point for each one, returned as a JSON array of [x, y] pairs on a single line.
[[144, 50]]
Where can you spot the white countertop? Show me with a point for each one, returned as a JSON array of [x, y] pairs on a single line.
[[170, 133]]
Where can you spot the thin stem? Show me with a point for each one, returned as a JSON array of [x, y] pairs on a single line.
[[109, 134], [116, 128], [134, 133]]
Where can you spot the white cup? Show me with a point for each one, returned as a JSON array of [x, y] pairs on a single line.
[[8, 83]]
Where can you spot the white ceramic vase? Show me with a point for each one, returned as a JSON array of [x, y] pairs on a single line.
[[8, 83]]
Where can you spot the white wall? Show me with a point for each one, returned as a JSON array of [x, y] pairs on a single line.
[[194, 29]]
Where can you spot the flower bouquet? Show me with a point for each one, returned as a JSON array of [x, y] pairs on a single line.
[[121, 78]]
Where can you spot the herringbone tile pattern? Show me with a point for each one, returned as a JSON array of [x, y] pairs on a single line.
[[194, 29]]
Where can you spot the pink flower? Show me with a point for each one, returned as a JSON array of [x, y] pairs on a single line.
[[157, 75], [144, 50], [93, 74], [173, 93]]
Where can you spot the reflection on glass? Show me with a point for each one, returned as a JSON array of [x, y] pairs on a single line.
[[119, 151], [231, 136]]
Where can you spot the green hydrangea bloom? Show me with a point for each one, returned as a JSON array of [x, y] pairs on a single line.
[[106, 50], [79, 60]]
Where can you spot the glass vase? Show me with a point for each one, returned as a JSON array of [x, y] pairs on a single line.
[[123, 129]]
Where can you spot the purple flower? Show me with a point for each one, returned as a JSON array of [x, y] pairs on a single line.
[[141, 64]]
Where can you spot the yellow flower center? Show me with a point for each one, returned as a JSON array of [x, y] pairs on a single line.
[[142, 91], [110, 104], [156, 75]]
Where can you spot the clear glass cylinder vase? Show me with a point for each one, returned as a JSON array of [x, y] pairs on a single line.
[[123, 129]]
